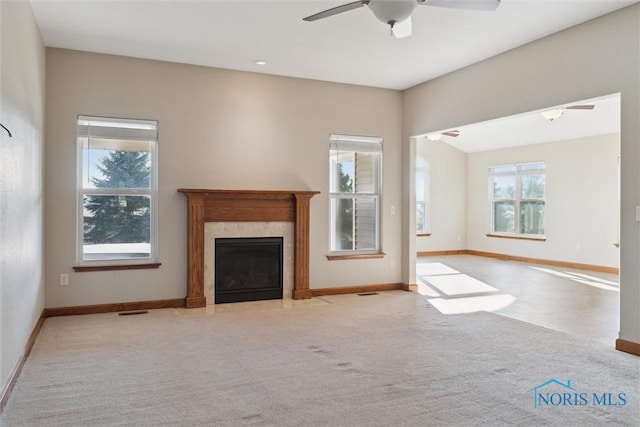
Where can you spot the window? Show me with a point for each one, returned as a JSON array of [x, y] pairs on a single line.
[[355, 164], [422, 195], [517, 194], [116, 191]]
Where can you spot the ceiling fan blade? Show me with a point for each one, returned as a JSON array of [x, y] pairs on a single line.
[[453, 133], [402, 29], [487, 5], [336, 10], [580, 107]]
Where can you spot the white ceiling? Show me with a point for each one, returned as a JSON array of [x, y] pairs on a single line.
[[532, 128], [352, 48]]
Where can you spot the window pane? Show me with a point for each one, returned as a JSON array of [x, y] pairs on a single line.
[[420, 193], [532, 217], [421, 217], [504, 217], [531, 166], [342, 213], [503, 169], [532, 186], [365, 223], [116, 164], [116, 227], [504, 187], [366, 174], [342, 171]]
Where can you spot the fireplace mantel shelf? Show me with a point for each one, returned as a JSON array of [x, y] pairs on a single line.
[[260, 194], [245, 205]]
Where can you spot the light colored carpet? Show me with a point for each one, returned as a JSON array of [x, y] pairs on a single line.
[[381, 360]]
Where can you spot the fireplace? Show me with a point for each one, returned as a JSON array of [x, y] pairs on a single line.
[[248, 269], [206, 206]]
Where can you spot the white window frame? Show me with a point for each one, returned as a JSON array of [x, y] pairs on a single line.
[[423, 168], [141, 134], [520, 169], [364, 144]]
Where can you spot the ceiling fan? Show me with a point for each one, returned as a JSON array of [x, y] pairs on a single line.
[[553, 114], [438, 136], [397, 13]]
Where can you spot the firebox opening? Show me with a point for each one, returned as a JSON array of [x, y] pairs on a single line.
[[248, 269]]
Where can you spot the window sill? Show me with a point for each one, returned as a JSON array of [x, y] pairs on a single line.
[[502, 236], [85, 268], [423, 234], [355, 256]]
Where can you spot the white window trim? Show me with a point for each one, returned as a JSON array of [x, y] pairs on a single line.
[[516, 200], [361, 144], [152, 192]]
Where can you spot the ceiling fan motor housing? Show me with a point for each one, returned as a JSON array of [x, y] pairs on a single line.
[[392, 12]]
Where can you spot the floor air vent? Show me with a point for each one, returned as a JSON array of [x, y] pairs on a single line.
[[129, 313], [366, 294]]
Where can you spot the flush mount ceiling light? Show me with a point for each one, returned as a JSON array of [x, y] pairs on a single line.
[[260, 62]]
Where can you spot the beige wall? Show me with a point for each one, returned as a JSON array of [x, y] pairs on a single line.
[[582, 209], [217, 129], [447, 196], [22, 61], [581, 212], [596, 58]]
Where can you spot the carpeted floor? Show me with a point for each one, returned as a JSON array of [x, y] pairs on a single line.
[[381, 360]]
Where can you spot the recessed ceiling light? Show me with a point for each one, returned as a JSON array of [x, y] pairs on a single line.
[[261, 62]]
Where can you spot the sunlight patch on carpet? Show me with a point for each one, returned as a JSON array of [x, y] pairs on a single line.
[[472, 304], [459, 284], [434, 269], [452, 292]]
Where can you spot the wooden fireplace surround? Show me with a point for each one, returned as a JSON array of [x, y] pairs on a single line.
[[250, 206]]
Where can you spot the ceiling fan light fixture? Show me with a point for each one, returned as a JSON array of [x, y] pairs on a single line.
[[392, 12], [434, 137], [397, 13], [551, 115]]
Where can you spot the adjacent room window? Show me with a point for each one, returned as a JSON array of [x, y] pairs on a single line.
[[517, 194], [422, 196], [117, 175], [355, 182]]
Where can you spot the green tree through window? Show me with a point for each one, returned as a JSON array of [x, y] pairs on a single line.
[[517, 195], [119, 218]]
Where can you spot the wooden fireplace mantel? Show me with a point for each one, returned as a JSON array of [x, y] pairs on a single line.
[[245, 205]]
